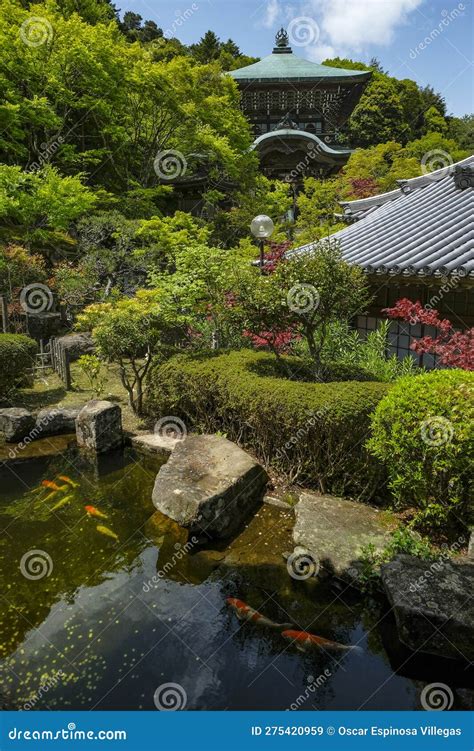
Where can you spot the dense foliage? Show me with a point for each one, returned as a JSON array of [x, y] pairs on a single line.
[[453, 348], [299, 299], [423, 431], [312, 432], [17, 355], [104, 121]]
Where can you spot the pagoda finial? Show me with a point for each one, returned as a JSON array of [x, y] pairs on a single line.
[[282, 41]]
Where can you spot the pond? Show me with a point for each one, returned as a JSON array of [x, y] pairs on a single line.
[[103, 611]]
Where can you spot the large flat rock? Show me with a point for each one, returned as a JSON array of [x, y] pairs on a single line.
[[209, 485], [335, 530], [433, 604]]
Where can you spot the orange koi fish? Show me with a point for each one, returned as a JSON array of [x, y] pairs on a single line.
[[49, 484], [67, 479], [305, 641], [245, 613], [93, 511]]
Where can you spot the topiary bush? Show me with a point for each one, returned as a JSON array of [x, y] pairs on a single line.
[[423, 431], [312, 432], [17, 353]]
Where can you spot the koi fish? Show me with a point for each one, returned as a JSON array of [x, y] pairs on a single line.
[[305, 641], [93, 511], [245, 613], [52, 495], [68, 480], [49, 484], [107, 532], [62, 502]]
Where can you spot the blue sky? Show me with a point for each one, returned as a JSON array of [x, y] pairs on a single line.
[[430, 41]]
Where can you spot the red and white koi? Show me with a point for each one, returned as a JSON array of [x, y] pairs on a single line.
[[305, 641], [245, 613]]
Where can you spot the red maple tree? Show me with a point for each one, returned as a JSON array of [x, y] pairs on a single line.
[[453, 348]]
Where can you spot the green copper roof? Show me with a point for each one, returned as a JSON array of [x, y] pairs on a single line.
[[287, 66]]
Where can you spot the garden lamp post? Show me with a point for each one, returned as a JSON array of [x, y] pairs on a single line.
[[261, 228]]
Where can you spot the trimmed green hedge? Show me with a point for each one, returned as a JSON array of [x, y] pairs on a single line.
[[312, 432], [17, 354], [423, 431]]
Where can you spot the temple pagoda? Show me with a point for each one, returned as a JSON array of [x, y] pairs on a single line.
[[296, 108]]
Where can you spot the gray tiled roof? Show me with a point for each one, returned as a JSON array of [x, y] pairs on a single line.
[[426, 227]]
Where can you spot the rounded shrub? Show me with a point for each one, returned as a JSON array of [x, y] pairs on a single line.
[[17, 353], [311, 432], [423, 431]]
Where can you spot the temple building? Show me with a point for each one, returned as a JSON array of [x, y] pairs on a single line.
[[416, 241], [296, 108]]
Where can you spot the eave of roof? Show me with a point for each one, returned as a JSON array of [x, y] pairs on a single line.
[[289, 67], [428, 231], [293, 134], [412, 183]]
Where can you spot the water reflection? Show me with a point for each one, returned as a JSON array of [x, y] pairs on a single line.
[[115, 620]]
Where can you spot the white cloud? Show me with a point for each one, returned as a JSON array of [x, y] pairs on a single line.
[[272, 12], [348, 26], [320, 51], [353, 25]]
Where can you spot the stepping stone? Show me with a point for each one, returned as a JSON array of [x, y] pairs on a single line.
[[209, 485], [433, 604], [334, 530], [55, 420], [15, 423], [153, 443]]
